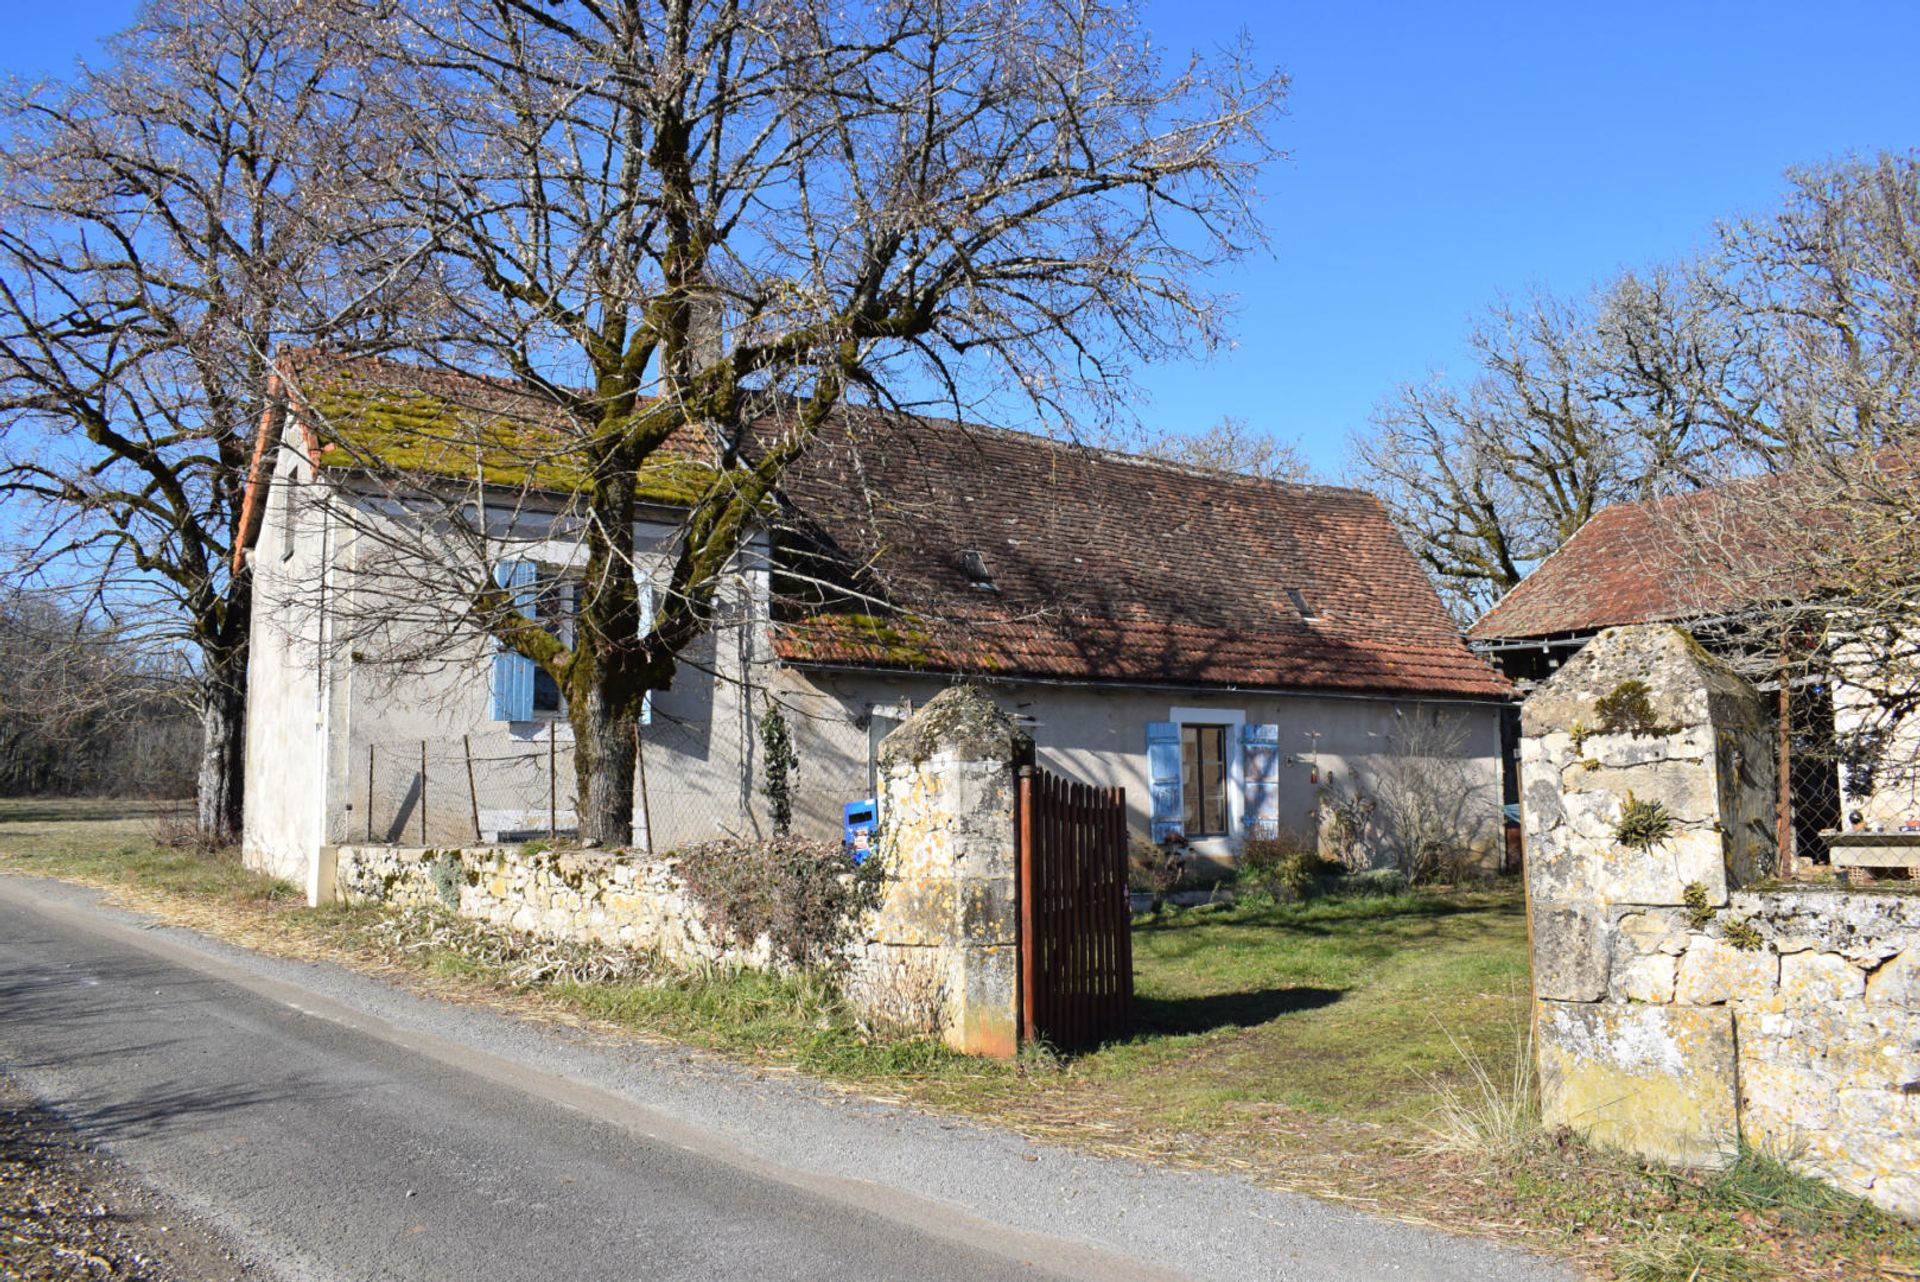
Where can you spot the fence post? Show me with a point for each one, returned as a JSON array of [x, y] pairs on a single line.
[[553, 784], [370, 751], [640, 763], [423, 792], [473, 794]]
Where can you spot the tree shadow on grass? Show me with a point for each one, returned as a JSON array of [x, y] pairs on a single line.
[[1227, 1010]]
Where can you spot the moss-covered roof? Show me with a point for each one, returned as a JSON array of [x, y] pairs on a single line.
[[381, 415]]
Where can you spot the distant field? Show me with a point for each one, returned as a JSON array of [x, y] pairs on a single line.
[[49, 825]]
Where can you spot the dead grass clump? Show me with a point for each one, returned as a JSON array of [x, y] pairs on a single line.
[[1485, 1110], [520, 959], [183, 832]]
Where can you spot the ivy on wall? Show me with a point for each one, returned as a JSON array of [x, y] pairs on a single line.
[[780, 766]]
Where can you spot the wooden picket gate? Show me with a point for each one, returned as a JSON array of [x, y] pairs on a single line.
[[1076, 943]]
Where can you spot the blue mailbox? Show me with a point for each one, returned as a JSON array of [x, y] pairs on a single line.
[[862, 820]]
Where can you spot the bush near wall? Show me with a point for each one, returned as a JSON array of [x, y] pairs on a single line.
[[801, 894]]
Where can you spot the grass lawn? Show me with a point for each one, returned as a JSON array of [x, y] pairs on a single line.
[[1312, 1046]]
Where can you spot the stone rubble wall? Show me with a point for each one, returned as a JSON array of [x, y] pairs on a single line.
[[938, 955], [1787, 1019], [626, 899]]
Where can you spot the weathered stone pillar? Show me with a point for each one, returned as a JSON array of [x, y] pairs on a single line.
[[941, 950], [1647, 774]]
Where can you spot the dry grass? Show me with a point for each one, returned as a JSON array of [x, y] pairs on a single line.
[[1491, 1111]]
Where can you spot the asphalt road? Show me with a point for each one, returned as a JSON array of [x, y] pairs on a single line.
[[331, 1127]]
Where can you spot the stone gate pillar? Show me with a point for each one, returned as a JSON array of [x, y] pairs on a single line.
[[941, 951], [1647, 775]]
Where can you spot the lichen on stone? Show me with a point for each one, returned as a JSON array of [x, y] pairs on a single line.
[[961, 722]]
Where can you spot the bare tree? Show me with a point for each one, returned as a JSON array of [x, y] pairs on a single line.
[[1427, 806], [165, 220], [83, 711], [703, 233], [1804, 569], [1231, 445], [1488, 476], [1790, 343]]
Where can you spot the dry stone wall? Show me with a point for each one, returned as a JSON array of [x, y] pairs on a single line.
[[625, 899], [1681, 1009], [939, 954]]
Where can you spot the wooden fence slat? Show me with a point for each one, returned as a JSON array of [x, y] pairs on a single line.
[[1023, 887], [1076, 965]]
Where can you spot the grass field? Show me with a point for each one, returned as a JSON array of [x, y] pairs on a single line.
[[1359, 1048]]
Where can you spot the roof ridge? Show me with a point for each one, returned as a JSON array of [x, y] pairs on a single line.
[[1022, 436]]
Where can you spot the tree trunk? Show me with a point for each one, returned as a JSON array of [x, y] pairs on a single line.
[[223, 744], [603, 771]]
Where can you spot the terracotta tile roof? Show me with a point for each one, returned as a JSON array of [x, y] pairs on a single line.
[[1686, 556], [364, 412], [1101, 565], [1107, 566]]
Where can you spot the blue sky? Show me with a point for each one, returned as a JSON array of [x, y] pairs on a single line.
[[1445, 152]]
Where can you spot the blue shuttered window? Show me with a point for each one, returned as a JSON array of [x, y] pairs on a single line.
[[1260, 780], [1163, 779], [512, 683]]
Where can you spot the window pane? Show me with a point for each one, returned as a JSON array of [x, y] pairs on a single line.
[[546, 692], [1204, 779]]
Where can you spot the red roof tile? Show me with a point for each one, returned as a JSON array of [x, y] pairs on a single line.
[[1686, 556], [1103, 566], [1110, 567]]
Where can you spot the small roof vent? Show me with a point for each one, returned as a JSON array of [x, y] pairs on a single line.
[[1300, 604], [977, 573]]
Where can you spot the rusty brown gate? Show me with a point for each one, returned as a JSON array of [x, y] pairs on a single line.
[[1076, 945]]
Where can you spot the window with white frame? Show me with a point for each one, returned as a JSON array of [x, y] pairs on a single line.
[[1204, 778]]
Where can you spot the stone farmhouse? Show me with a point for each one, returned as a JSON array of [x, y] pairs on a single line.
[[1225, 648]]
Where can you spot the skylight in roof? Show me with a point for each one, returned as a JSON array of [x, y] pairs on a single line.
[[1300, 604]]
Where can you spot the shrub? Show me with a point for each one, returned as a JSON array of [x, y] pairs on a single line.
[[1285, 867], [1154, 869], [1384, 882], [183, 832], [802, 895]]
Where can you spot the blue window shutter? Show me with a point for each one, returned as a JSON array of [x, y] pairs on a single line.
[[1260, 780], [1163, 780], [513, 673], [646, 626]]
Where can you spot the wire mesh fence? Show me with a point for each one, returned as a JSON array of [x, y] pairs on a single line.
[[474, 790]]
